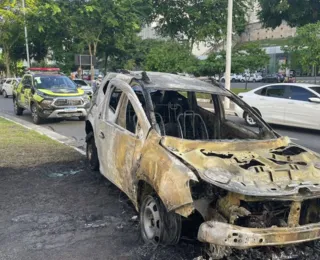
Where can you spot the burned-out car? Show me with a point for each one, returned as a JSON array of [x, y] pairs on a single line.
[[173, 145]]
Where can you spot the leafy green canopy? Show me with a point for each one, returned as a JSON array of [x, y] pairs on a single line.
[[194, 20], [294, 12], [249, 56], [306, 45], [170, 57]]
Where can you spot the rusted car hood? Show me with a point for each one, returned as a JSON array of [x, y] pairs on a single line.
[[254, 168]]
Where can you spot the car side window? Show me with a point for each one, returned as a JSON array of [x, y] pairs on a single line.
[[276, 91], [261, 92], [300, 94], [128, 118], [114, 99], [27, 81]]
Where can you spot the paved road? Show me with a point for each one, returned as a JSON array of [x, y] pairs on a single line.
[[75, 129]]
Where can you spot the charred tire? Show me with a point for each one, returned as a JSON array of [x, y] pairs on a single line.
[[35, 115], [157, 225], [4, 93], [223, 80], [92, 153], [82, 118], [17, 110]]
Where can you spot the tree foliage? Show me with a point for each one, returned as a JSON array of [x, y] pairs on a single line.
[[170, 57], [306, 45], [295, 12], [196, 21], [249, 56]]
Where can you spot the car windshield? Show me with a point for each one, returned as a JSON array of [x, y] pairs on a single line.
[[55, 83], [316, 89], [80, 82], [202, 116]]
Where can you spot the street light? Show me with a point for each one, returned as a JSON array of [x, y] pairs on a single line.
[[228, 51], [26, 33]]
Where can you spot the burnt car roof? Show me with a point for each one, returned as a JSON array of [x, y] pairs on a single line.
[[167, 81]]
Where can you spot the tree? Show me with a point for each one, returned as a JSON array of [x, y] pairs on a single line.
[[170, 57], [306, 45], [253, 57], [295, 12], [11, 29], [249, 56], [194, 21]]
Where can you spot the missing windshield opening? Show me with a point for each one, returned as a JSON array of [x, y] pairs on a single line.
[[202, 116]]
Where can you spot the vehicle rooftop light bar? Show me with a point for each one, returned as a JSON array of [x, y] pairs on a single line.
[[44, 69]]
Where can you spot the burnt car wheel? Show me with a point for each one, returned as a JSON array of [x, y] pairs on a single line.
[[249, 120], [35, 115], [157, 225], [92, 153], [4, 93]]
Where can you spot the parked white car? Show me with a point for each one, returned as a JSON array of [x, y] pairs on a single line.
[[284, 104], [2, 81], [233, 78], [7, 86], [252, 78], [84, 86]]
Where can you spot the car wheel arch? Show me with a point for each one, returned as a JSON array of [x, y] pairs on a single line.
[[88, 127]]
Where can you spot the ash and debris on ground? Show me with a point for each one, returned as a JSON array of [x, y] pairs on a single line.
[[64, 211]]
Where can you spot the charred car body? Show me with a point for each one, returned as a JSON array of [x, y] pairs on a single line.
[[176, 158]]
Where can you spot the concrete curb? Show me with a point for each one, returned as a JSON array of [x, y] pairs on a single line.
[[308, 81], [43, 131]]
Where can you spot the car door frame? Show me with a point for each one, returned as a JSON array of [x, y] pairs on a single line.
[[108, 147]]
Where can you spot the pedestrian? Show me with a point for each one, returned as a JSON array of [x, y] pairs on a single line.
[[97, 83]]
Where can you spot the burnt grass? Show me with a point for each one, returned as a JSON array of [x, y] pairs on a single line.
[[65, 211]]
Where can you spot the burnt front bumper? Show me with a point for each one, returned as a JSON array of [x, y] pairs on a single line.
[[224, 234]]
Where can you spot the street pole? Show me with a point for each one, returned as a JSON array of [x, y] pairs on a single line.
[[228, 51], [26, 33]]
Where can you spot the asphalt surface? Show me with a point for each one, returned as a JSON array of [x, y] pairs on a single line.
[[74, 129]]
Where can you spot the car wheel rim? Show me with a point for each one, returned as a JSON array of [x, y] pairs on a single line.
[[250, 120], [15, 106], [151, 221], [34, 113]]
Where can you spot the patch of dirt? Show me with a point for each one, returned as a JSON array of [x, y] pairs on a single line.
[[64, 211]]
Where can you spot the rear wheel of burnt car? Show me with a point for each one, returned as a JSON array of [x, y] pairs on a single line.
[[92, 153], [17, 110], [249, 120], [4, 93], [157, 225], [35, 114]]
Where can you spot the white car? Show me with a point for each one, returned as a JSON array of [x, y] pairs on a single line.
[[84, 86], [233, 78], [284, 104], [252, 78], [7, 86]]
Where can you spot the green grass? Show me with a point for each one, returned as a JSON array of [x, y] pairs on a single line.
[[21, 147], [239, 90]]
